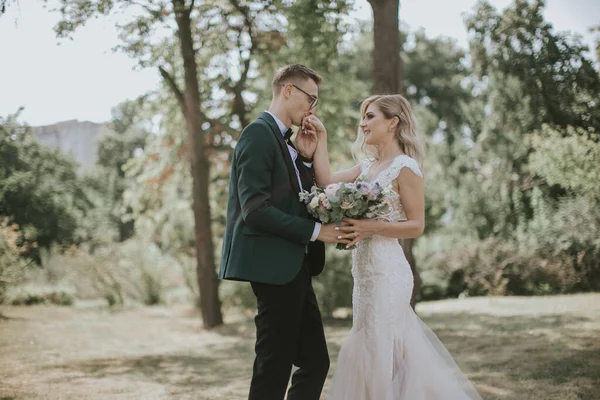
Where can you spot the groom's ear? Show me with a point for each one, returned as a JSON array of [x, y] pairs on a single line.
[[286, 90]]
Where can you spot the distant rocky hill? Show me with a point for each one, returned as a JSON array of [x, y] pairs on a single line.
[[75, 138]]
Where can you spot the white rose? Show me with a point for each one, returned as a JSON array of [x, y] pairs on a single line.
[[331, 189], [314, 203]]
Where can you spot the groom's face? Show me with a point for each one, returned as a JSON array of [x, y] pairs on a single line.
[[301, 99]]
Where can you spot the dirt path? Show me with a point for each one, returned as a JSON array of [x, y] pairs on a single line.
[[511, 348]]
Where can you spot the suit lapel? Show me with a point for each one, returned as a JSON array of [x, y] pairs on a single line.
[[286, 153]]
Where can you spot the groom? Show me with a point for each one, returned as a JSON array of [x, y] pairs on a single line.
[[273, 243]]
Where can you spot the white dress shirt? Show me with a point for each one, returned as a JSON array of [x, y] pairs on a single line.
[[294, 155]]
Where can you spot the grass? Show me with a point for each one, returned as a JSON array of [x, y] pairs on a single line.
[[542, 348]]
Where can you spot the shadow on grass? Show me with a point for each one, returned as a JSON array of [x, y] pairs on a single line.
[[516, 357], [4, 317], [217, 366], [551, 356]]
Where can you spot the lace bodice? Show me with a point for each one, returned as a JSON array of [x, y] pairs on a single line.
[[378, 258], [385, 179]]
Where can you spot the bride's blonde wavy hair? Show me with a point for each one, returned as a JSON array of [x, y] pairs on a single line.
[[391, 105]]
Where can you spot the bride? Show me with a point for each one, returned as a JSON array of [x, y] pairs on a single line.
[[389, 353]]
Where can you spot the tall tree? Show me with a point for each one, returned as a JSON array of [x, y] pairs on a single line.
[[553, 69], [240, 45], [387, 67], [387, 78], [190, 107], [149, 15]]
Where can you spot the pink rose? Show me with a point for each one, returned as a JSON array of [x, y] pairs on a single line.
[[373, 193], [364, 188], [346, 205]]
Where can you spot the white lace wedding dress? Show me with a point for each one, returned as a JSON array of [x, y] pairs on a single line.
[[390, 354]]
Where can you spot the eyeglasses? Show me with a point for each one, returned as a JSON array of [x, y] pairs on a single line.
[[313, 99]]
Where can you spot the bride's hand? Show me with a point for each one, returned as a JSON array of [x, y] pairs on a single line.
[[312, 124], [306, 143], [358, 229]]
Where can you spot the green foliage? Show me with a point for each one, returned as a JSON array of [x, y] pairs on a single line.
[[159, 197], [435, 71], [333, 286], [565, 240], [105, 185], [515, 182], [135, 270], [237, 296], [556, 252], [39, 188], [511, 135], [569, 159], [597, 30], [13, 266], [552, 68]]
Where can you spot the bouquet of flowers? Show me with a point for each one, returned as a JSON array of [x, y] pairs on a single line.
[[337, 201]]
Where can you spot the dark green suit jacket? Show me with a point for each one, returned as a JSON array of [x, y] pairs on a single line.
[[268, 229]]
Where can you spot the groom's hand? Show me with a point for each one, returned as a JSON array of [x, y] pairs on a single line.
[[329, 234]]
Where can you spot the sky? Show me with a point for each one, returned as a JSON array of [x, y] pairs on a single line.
[[60, 79]]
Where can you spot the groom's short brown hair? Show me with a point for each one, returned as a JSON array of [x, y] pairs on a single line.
[[293, 73]]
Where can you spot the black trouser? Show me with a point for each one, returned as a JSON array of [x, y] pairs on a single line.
[[289, 331]]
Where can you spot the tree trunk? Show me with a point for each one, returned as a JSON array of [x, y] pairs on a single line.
[[386, 50], [209, 303], [387, 78]]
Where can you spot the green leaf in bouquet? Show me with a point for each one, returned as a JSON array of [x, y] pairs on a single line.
[[337, 216]]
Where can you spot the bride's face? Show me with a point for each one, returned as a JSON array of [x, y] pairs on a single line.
[[375, 126]]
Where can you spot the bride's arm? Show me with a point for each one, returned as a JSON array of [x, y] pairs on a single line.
[[410, 187], [322, 168]]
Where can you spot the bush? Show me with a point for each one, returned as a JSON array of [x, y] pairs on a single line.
[[558, 252], [333, 287], [565, 239], [92, 275], [13, 266], [39, 188], [238, 296], [133, 270], [450, 267], [143, 268], [31, 294]]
